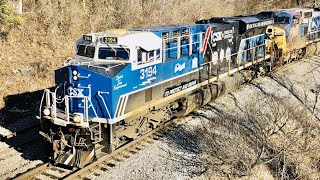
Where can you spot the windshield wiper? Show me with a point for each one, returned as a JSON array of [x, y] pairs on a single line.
[[125, 49], [115, 51]]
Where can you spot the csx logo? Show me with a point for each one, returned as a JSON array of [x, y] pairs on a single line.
[[218, 36], [75, 91]]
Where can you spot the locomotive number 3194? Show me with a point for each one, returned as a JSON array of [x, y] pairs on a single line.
[[148, 72]]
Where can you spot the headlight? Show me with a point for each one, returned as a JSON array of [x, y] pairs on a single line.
[[46, 112], [77, 117], [75, 72], [75, 78]]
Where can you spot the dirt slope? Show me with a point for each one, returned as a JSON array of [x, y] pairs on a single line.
[[268, 129]]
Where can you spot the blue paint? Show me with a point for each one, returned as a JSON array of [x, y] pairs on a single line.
[[248, 43], [127, 80]]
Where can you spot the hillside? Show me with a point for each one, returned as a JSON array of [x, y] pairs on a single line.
[[30, 52]]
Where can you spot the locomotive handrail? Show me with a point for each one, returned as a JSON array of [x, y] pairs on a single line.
[[183, 45], [112, 61], [103, 63], [67, 108], [54, 101], [84, 77], [188, 35], [97, 67], [104, 103], [236, 53], [107, 68], [95, 113], [316, 33], [312, 32], [45, 92]]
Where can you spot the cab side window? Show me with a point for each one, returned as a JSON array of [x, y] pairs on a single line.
[[148, 56]]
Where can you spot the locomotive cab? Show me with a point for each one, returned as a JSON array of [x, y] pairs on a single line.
[[117, 47], [288, 34], [102, 48], [276, 39]]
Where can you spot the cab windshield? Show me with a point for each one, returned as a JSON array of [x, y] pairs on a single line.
[[114, 53], [86, 51], [282, 20]]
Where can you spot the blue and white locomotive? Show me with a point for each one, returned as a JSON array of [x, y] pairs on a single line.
[[103, 93], [121, 84]]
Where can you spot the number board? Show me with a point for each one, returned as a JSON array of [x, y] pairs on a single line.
[[87, 38], [110, 40]]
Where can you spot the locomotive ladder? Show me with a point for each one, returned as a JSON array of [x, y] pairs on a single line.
[[92, 124]]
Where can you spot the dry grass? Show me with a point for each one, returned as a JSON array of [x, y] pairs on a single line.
[[270, 137], [30, 53]]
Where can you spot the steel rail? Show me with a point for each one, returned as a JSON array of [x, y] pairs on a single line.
[[127, 147], [32, 172]]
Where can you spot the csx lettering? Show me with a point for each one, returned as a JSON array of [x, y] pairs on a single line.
[[216, 36]]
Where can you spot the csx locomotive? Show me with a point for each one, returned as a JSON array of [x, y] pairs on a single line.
[[122, 84]]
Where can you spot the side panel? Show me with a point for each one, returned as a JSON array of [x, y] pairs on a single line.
[[128, 82], [315, 26], [138, 99], [247, 51], [222, 47]]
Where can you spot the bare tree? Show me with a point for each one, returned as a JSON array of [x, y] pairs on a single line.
[[19, 7]]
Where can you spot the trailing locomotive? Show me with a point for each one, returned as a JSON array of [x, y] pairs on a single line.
[[293, 32], [122, 84]]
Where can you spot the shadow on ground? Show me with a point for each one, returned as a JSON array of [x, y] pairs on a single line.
[[21, 127]]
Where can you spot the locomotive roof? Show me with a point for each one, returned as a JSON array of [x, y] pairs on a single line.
[[113, 33], [272, 13], [298, 9], [164, 28], [248, 19], [293, 13], [217, 24], [251, 19]]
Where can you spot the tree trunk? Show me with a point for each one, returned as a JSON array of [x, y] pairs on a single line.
[[19, 7]]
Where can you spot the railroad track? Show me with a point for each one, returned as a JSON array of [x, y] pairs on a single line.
[[105, 163], [45, 171]]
